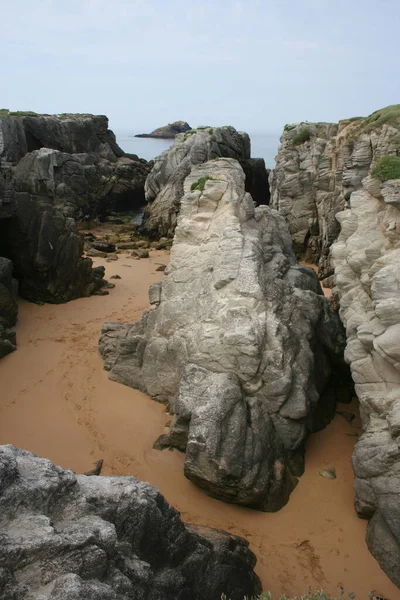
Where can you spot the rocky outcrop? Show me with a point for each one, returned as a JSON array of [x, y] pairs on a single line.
[[54, 169], [66, 536], [46, 250], [239, 341], [8, 307], [73, 160], [345, 178], [318, 166], [164, 185], [367, 271], [167, 131]]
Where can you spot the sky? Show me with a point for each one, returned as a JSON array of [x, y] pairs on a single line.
[[253, 64]]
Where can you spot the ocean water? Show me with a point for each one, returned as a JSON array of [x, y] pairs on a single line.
[[262, 146]]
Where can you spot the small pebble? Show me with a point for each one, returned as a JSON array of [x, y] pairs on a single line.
[[328, 473]]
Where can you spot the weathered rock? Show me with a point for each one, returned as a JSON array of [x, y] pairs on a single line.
[[74, 160], [167, 131], [164, 184], [74, 537], [103, 246], [313, 180], [367, 269], [46, 250], [8, 307], [140, 253], [239, 341]]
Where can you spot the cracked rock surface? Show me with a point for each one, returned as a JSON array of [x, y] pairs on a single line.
[[239, 341], [73, 537]]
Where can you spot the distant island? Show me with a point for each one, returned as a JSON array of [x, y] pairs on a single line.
[[168, 131]]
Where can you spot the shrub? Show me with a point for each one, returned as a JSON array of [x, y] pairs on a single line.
[[303, 136], [211, 131], [288, 127], [200, 183], [23, 113], [387, 167]]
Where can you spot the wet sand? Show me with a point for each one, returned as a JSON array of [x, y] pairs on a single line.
[[57, 401]]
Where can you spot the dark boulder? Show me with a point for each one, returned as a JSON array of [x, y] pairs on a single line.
[[67, 536]]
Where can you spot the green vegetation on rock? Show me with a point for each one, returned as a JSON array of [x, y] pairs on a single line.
[[211, 131], [200, 183], [389, 114], [387, 167], [4, 112], [288, 127], [303, 136]]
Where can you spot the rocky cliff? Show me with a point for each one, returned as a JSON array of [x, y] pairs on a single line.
[[355, 166], [72, 537], [74, 161], [239, 341], [318, 166], [164, 185], [54, 169], [366, 257]]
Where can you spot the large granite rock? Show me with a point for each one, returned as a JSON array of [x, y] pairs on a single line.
[[366, 257], [167, 131], [164, 185], [318, 166], [239, 341], [72, 537], [8, 306], [73, 160]]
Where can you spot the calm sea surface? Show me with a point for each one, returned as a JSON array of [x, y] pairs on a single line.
[[262, 145]]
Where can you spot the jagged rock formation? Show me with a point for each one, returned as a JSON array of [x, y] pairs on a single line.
[[318, 166], [74, 161], [239, 341], [54, 169], [8, 307], [164, 185], [72, 537], [167, 131], [367, 270]]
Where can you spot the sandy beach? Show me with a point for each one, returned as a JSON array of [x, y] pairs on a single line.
[[58, 402]]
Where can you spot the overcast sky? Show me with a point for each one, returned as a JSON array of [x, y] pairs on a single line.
[[254, 64]]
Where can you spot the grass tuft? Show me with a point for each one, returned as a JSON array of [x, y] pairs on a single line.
[[387, 167], [200, 183]]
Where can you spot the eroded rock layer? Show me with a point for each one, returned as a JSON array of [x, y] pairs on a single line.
[[367, 270], [72, 537], [318, 166], [239, 341]]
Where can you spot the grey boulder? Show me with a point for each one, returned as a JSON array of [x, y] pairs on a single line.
[[73, 537]]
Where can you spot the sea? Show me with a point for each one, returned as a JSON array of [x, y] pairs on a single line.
[[262, 146]]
